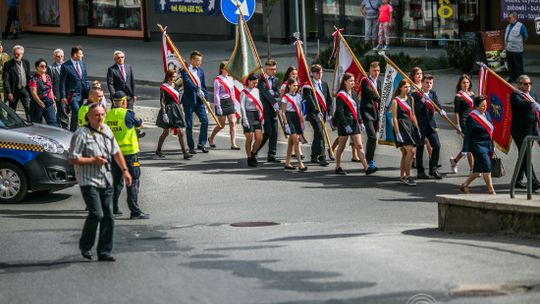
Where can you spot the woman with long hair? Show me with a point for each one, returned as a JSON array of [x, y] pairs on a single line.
[[463, 105], [291, 72], [348, 122], [224, 101], [291, 105], [405, 130], [252, 118], [170, 117]]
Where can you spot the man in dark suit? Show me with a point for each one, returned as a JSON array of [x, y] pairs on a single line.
[[314, 116], [54, 73], [425, 115], [192, 102], [269, 89], [74, 84], [525, 121], [369, 110], [16, 74], [120, 78]]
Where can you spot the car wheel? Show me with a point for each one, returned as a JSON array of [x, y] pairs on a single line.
[[13, 183]]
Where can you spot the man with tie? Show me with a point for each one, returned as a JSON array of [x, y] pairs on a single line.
[[369, 110], [194, 91], [15, 74], [120, 78], [74, 84], [269, 89], [54, 73]]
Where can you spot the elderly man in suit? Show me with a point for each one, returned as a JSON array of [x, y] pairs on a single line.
[[16, 73], [120, 78], [74, 84], [54, 73]]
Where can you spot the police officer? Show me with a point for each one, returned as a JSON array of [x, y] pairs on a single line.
[[94, 96], [123, 123]]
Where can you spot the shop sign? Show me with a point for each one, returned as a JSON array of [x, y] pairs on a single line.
[[196, 7], [445, 11], [495, 54], [527, 10]]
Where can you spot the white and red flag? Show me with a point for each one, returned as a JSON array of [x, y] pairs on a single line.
[[346, 62], [170, 61]]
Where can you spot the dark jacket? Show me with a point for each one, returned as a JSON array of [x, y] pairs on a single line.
[[190, 98], [343, 115], [70, 82], [523, 115], [267, 99], [476, 138], [115, 81], [369, 100], [11, 75], [424, 116], [312, 106], [55, 79]]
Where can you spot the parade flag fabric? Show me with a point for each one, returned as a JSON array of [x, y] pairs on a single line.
[[244, 59], [169, 59], [303, 73], [391, 80], [346, 62], [498, 94]]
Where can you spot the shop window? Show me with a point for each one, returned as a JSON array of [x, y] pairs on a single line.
[[118, 14], [48, 12], [445, 22], [330, 15], [417, 19]]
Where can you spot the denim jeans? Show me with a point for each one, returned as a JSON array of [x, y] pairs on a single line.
[[99, 204], [75, 104], [132, 162], [38, 113]]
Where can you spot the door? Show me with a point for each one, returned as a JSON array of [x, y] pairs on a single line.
[[82, 16]]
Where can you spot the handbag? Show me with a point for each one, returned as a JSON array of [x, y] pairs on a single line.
[[497, 167]]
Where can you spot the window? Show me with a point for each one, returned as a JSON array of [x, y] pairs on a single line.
[[118, 14], [48, 12]]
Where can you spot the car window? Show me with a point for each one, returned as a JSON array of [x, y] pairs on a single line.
[[9, 119]]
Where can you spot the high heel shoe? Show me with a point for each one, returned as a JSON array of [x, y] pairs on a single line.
[[159, 154]]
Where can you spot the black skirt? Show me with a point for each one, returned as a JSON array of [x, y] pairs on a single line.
[[227, 106], [175, 114], [354, 126], [408, 132], [254, 122], [294, 123]]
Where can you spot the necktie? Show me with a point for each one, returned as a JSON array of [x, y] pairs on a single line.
[[319, 85], [78, 69], [122, 72]]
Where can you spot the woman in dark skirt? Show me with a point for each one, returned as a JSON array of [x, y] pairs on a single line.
[[463, 105], [291, 105], [349, 122], [224, 101], [170, 117], [405, 130], [478, 140], [252, 118]]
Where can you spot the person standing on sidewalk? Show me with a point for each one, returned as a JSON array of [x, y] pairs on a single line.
[[93, 148], [12, 17], [16, 74], [123, 122], [269, 89], [514, 37], [385, 18], [369, 110], [74, 84], [120, 78], [370, 10], [4, 57], [53, 71]]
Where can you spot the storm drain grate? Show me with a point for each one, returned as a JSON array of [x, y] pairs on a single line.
[[489, 290], [254, 224]]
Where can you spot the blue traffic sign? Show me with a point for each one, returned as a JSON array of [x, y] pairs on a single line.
[[230, 9]]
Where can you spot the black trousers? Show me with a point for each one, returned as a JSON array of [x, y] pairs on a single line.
[[99, 204], [132, 163], [23, 96], [371, 131], [433, 139], [270, 129], [523, 169], [515, 65], [62, 114], [317, 145]]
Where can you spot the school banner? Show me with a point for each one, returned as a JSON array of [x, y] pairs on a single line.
[[195, 7], [391, 80]]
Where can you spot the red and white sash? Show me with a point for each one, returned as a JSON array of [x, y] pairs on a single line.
[[293, 104], [404, 106], [530, 99], [257, 104], [227, 86], [482, 120], [467, 98], [349, 101], [371, 84], [428, 102], [171, 91], [320, 97], [196, 78]]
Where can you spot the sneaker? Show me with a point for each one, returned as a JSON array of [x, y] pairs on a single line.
[[140, 216], [453, 165]]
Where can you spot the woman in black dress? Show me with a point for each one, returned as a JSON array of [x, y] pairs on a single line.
[[405, 130], [478, 139], [291, 106], [170, 117], [463, 105]]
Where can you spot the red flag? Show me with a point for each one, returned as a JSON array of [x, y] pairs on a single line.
[[303, 73], [498, 94]]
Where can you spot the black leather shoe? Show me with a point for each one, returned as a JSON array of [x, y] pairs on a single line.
[[370, 170], [303, 169], [87, 254], [435, 174], [141, 134], [272, 159], [422, 175], [340, 171], [192, 151], [250, 162], [140, 216], [187, 156], [118, 213], [314, 161], [202, 148], [106, 258], [323, 162], [520, 185]]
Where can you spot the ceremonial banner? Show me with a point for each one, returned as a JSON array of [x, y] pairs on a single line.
[[195, 7], [346, 62], [391, 80], [170, 61], [244, 59], [498, 94]]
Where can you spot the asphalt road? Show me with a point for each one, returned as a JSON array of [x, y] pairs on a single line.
[[340, 239]]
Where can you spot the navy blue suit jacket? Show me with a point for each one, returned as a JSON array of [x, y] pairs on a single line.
[[70, 82], [476, 138], [190, 97], [426, 119]]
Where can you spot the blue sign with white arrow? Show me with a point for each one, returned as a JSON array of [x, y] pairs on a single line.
[[231, 8]]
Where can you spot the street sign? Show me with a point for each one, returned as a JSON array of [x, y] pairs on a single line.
[[537, 25], [230, 10]]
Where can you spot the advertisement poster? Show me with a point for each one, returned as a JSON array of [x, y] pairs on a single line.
[[527, 10], [493, 42], [196, 7]]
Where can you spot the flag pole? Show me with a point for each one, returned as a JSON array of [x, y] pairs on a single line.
[[389, 61], [183, 63], [299, 49], [496, 75]]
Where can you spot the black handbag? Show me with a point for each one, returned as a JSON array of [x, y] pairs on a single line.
[[497, 167]]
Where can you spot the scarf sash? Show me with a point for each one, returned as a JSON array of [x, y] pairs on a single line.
[[482, 120], [257, 104], [349, 102], [530, 99], [467, 98], [404, 106], [171, 91], [293, 104]]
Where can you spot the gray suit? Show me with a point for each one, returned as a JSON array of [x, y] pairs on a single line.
[[117, 82], [62, 110]]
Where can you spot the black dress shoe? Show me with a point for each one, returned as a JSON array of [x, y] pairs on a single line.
[[323, 162], [422, 175], [435, 174], [251, 163], [140, 216], [118, 213], [202, 148], [192, 151], [87, 254], [141, 134], [235, 148], [159, 154], [187, 156], [340, 171], [520, 185], [106, 258], [314, 160], [370, 170], [272, 159], [289, 167], [303, 169]]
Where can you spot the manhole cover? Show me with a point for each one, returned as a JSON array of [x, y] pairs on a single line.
[[488, 290], [254, 224]]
